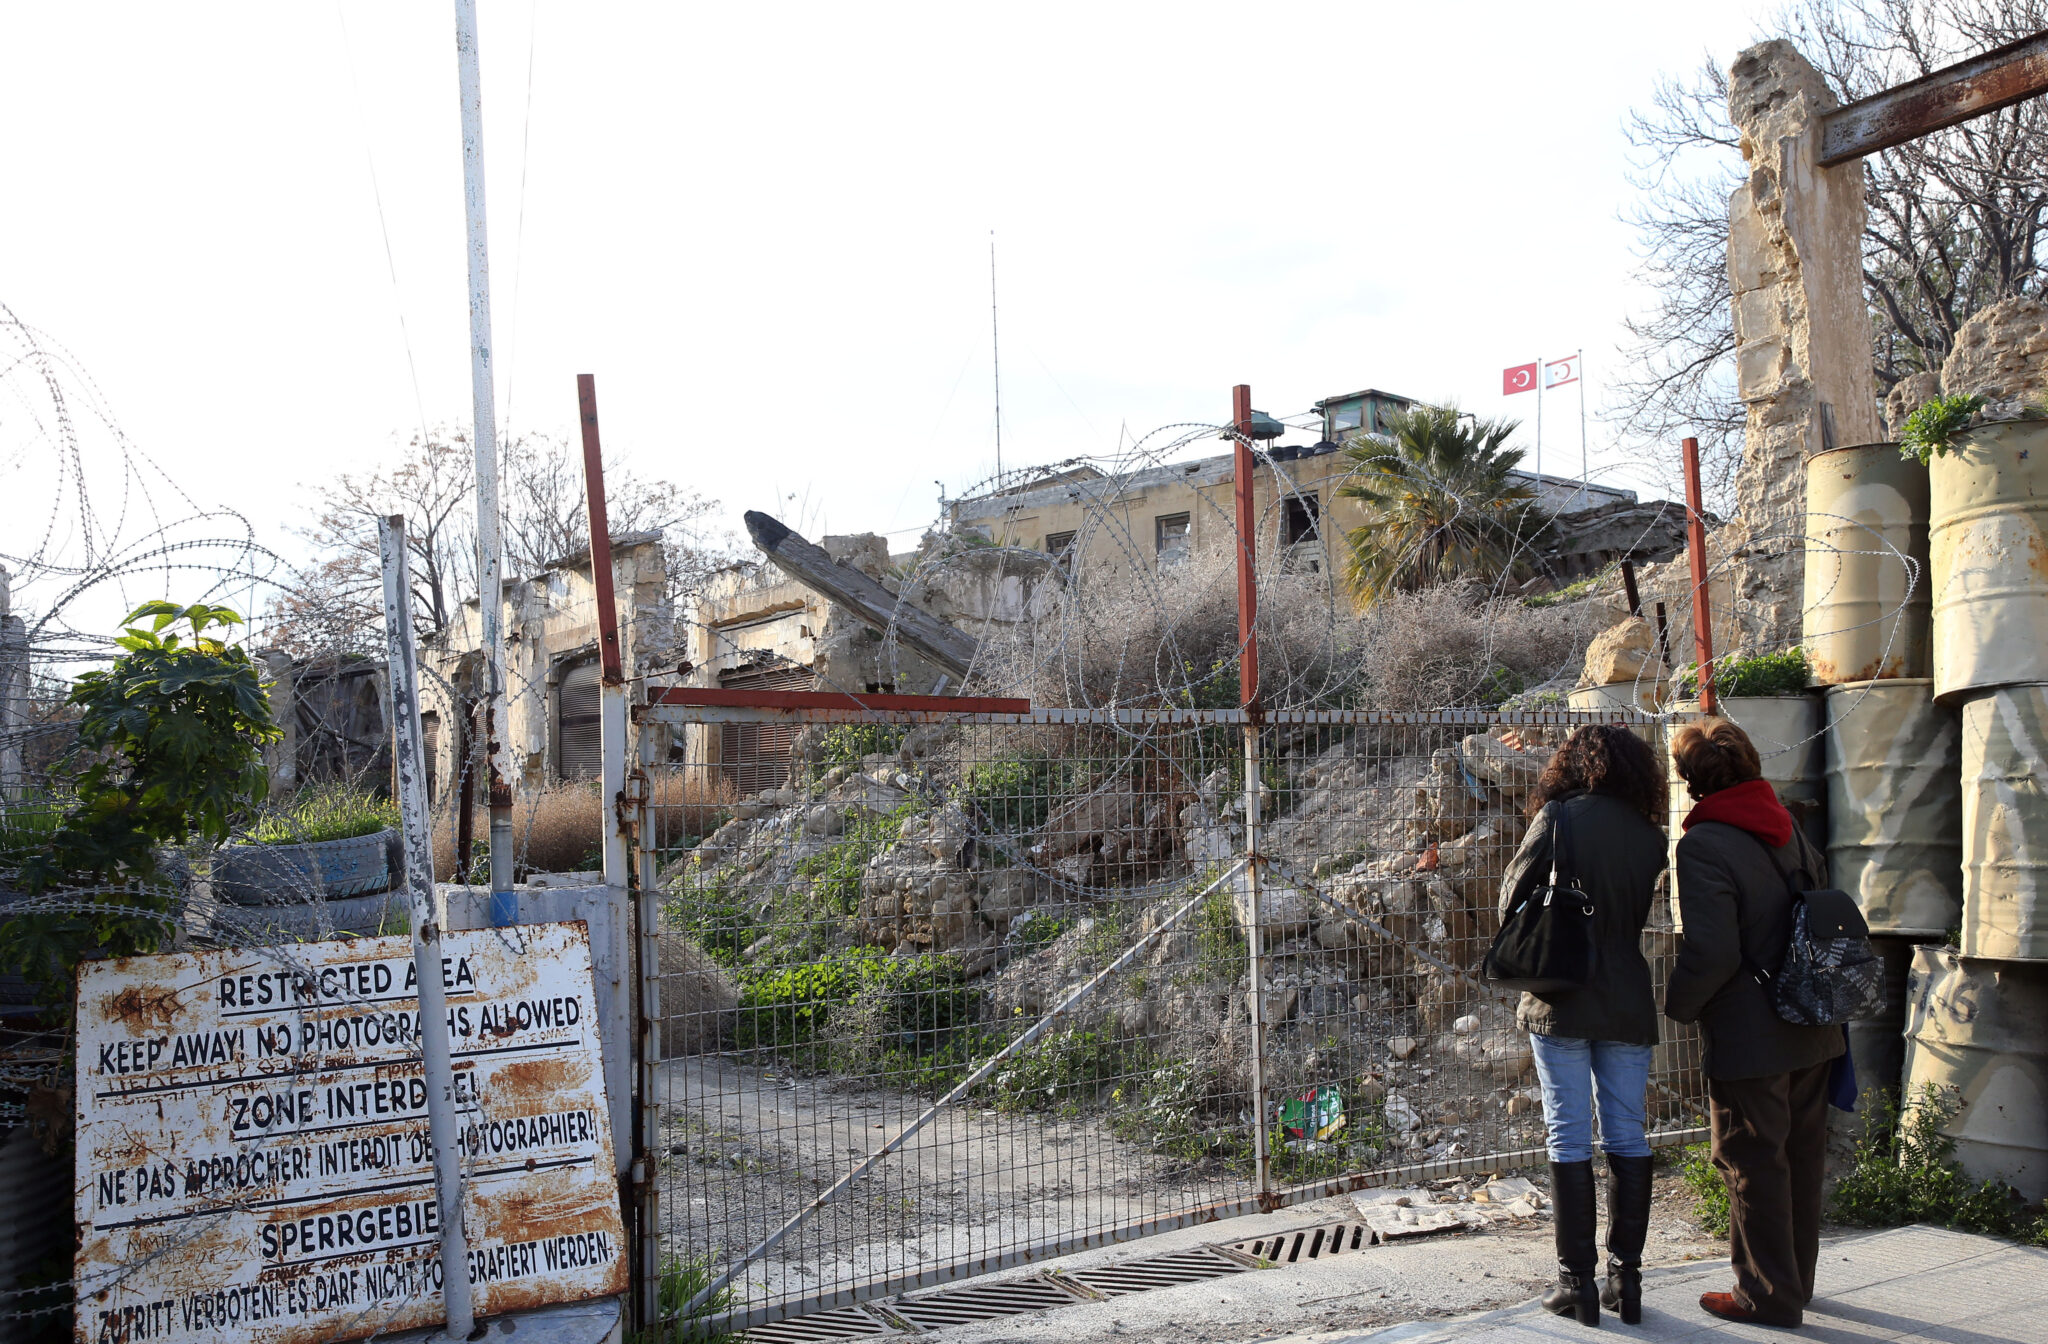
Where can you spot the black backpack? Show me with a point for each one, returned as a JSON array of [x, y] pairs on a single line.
[[1830, 974]]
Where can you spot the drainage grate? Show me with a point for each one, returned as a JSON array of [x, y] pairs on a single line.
[[985, 1302], [841, 1323], [1308, 1243], [1157, 1271]]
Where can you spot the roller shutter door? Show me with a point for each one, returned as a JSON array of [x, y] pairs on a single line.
[[579, 740], [755, 756]]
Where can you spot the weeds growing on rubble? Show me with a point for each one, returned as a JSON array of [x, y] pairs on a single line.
[[682, 1278]]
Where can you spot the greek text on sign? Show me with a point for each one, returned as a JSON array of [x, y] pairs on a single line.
[[253, 1158]]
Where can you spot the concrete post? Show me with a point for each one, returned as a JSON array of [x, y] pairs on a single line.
[[13, 692], [1802, 326]]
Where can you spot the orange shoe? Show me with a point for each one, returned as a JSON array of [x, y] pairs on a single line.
[[1727, 1308]]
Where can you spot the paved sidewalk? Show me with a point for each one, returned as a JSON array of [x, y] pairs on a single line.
[[1913, 1285]]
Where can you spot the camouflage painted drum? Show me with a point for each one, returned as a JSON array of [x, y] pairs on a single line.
[[1878, 1043], [1990, 559], [1895, 805], [1975, 1027], [1788, 734], [1867, 608], [2005, 824]]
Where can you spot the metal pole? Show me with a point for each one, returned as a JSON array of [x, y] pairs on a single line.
[[1585, 461], [612, 738], [443, 1125], [1248, 694], [612, 682], [490, 542], [1696, 554], [646, 1152]]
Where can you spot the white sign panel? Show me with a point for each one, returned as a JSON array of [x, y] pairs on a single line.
[[253, 1159]]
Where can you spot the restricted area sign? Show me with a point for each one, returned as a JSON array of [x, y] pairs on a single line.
[[253, 1160]]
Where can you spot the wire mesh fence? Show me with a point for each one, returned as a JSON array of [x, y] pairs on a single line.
[[967, 990]]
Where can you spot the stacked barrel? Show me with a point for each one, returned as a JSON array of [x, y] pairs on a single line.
[[1937, 748], [1980, 1014], [1893, 759]]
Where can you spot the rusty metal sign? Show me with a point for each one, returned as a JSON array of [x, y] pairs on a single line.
[[253, 1159]]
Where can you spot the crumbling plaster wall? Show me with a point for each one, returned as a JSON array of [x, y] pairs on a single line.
[[1802, 324], [550, 623]]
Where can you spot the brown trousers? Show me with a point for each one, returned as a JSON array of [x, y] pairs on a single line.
[[1770, 1143]]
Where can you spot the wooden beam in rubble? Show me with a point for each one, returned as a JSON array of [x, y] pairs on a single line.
[[1972, 88], [808, 564]]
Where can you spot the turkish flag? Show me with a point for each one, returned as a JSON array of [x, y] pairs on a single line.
[[1520, 378]]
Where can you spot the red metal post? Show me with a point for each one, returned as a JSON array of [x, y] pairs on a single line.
[[1247, 549], [613, 670], [1696, 553]]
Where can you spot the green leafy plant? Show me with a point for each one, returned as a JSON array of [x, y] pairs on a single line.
[[177, 725], [915, 1005], [1905, 1172], [1928, 431], [848, 744], [326, 812], [1752, 674], [1066, 1071], [1710, 1193], [835, 871], [1012, 795], [682, 1278]]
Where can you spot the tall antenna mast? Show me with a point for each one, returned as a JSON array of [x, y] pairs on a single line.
[[995, 342]]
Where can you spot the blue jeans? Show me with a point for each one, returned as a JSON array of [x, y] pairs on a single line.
[[1574, 1073]]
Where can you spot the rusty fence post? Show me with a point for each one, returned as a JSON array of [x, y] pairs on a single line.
[[1248, 695], [614, 821], [1696, 554]]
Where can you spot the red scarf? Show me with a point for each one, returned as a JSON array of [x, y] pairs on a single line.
[[1752, 805]]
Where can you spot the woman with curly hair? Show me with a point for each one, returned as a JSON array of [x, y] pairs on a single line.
[[1604, 794]]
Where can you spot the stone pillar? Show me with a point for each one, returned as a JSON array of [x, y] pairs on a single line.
[[13, 692], [1803, 350]]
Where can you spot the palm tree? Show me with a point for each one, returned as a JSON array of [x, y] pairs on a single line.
[[1441, 503]]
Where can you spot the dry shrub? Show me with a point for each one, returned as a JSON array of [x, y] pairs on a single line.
[[1136, 640], [689, 801], [558, 829]]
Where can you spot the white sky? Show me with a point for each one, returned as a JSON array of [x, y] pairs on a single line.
[[765, 228]]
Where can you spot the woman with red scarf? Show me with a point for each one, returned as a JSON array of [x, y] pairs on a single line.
[[1767, 1080]]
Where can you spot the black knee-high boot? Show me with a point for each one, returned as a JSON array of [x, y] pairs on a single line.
[[1628, 1225], [1575, 1209]]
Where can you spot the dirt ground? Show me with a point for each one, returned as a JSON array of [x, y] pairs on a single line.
[[748, 1148]]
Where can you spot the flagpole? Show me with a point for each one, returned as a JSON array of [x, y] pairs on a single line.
[[1585, 462], [1539, 427]]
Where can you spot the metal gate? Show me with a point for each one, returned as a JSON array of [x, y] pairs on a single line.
[[970, 989]]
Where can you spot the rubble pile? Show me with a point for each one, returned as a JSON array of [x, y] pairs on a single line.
[[1376, 905]]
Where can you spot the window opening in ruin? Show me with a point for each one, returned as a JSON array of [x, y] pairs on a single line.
[[1170, 532], [1300, 518], [1057, 544]]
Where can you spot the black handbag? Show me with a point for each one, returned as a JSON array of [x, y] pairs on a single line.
[[1546, 942]]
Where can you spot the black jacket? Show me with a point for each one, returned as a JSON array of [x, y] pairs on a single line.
[[1617, 853], [1733, 900]]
